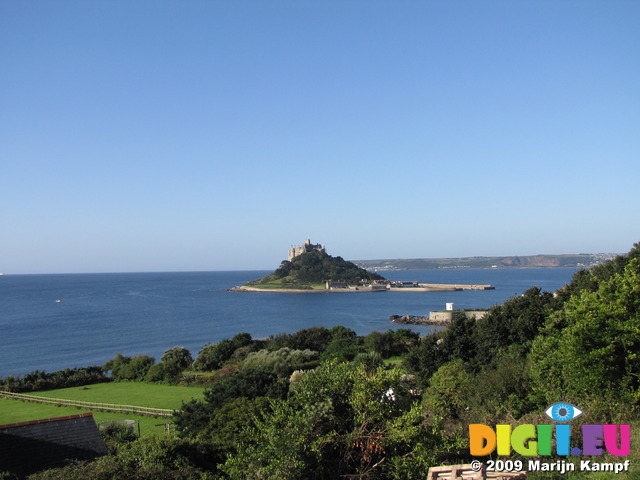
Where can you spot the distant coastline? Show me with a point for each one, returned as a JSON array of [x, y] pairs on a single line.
[[311, 269], [581, 260]]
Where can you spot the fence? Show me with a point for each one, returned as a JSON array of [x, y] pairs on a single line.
[[104, 407]]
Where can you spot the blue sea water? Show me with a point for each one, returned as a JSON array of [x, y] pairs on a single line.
[[99, 315]]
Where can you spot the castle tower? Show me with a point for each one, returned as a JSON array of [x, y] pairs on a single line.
[[307, 247]]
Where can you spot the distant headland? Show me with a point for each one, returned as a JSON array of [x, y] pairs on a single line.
[[310, 268], [580, 260]]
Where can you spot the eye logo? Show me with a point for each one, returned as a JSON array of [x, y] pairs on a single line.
[[563, 412]]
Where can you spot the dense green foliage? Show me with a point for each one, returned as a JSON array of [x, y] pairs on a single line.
[[172, 364], [592, 344], [213, 356], [315, 338], [116, 435], [70, 377], [341, 418], [392, 342], [151, 458], [315, 268], [143, 368], [516, 322], [249, 383], [129, 368], [283, 361], [320, 403]]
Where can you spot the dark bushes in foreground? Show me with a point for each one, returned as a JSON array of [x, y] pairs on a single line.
[[40, 380]]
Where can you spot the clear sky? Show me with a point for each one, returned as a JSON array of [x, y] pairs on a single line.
[[211, 135]]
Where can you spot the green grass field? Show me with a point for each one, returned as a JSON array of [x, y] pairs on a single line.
[[393, 361], [130, 393]]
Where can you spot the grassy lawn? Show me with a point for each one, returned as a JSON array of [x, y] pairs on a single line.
[[393, 361], [197, 373], [14, 411], [128, 393], [142, 394]]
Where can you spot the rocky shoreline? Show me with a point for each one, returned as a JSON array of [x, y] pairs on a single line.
[[417, 320], [420, 287], [243, 288]]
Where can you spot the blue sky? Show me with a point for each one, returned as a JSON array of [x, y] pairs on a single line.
[[212, 135]]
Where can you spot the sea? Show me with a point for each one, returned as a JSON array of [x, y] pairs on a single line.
[[56, 321]]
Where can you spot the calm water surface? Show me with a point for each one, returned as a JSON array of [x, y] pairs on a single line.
[[99, 315]]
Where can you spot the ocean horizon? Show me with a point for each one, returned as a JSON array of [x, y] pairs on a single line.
[[65, 320]]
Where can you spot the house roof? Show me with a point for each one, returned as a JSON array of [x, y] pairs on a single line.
[[28, 447]]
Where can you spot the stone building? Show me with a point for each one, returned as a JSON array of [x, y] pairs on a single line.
[[307, 247]]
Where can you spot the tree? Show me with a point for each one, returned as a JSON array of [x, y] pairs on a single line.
[[343, 349], [128, 368], [517, 321], [213, 356], [148, 458], [448, 393], [425, 359], [591, 278], [249, 383], [173, 363], [336, 422], [228, 424], [457, 341], [590, 347], [283, 361], [392, 342], [179, 357]]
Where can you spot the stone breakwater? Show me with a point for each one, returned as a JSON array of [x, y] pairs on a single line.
[[451, 287], [417, 320]]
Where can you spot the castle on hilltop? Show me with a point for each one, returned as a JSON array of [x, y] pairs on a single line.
[[307, 247]]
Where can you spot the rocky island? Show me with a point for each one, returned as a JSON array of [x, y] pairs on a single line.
[[310, 269]]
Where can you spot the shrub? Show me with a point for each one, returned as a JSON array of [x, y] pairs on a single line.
[[213, 356], [447, 396], [38, 380], [116, 434], [250, 383], [128, 368], [391, 342], [283, 361]]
